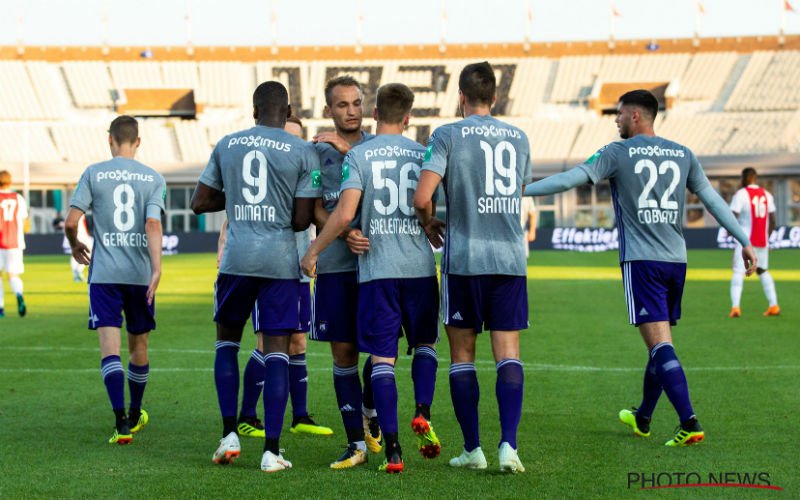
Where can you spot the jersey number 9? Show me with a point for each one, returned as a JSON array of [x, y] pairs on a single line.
[[258, 181]]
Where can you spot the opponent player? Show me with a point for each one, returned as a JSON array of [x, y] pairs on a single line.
[[127, 202], [528, 220], [253, 379], [484, 164], [754, 207], [84, 237], [397, 274], [262, 178], [13, 212], [335, 297], [649, 176]]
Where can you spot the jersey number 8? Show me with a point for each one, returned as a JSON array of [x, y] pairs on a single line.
[[123, 208]]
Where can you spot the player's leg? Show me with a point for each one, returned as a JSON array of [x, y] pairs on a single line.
[[77, 269], [384, 386], [420, 306], [372, 429], [252, 387], [298, 389], [276, 396], [347, 386], [2, 291], [767, 283], [737, 283], [15, 268], [139, 322]]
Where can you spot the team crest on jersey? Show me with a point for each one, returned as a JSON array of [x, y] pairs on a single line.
[[428, 152], [595, 156], [316, 179], [345, 171]]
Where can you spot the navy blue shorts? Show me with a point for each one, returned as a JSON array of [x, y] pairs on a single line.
[[273, 303], [304, 290], [493, 301], [653, 290], [389, 307], [107, 302], [334, 307]]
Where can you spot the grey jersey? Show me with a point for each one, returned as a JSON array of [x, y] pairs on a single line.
[[262, 170], [484, 163], [303, 241], [337, 257], [649, 177], [122, 194], [386, 170]]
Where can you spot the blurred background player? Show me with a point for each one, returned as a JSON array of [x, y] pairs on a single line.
[[396, 274], [127, 202], [754, 207], [13, 214], [253, 379], [335, 300], [649, 176], [529, 220], [85, 237], [262, 177], [484, 164]]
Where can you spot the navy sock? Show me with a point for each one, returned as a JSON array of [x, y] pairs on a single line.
[[226, 378], [298, 384], [423, 372], [137, 381], [385, 391], [114, 378], [276, 392], [253, 385], [347, 386], [465, 393], [367, 398], [673, 380], [508, 389], [651, 391]]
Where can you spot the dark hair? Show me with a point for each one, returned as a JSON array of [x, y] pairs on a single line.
[[749, 172], [477, 83], [5, 178], [394, 102], [344, 80], [271, 100], [124, 129], [643, 99], [293, 118]]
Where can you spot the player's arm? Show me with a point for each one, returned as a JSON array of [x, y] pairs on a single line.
[[558, 183], [80, 251], [338, 221], [717, 207], [533, 222], [772, 223], [302, 213], [221, 241], [207, 199], [154, 232], [320, 214]]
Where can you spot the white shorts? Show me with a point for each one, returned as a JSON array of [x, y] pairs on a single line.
[[11, 261], [762, 254]]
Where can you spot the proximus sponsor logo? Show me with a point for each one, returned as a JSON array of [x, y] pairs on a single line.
[[656, 151], [391, 151], [257, 141], [124, 176], [490, 131]]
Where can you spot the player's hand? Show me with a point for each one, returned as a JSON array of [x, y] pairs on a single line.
[[750, 260], [309, 265], [434, 230], [81, 253], [532, 235], [334, 140], [358, 243], [155, 278]]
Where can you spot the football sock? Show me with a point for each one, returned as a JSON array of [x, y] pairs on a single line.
[[276, 393], [298, 384], [252, 384], [737, 283], [367, 398], [2, 297], [385, 389], [16, 285], [114, 379], [423, 372], [347, 386], [226, 378], [651, 391], [769, 288], [137, 380], [673, 380], [508, 389], [465, 393]]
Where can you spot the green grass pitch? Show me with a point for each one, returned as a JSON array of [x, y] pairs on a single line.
[[583, 363]]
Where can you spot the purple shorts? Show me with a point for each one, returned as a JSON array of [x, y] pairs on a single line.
[[493, 301], [304, 290], [334, 307], [107, 302], [273, 303], [390, 307], [653, 290]]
